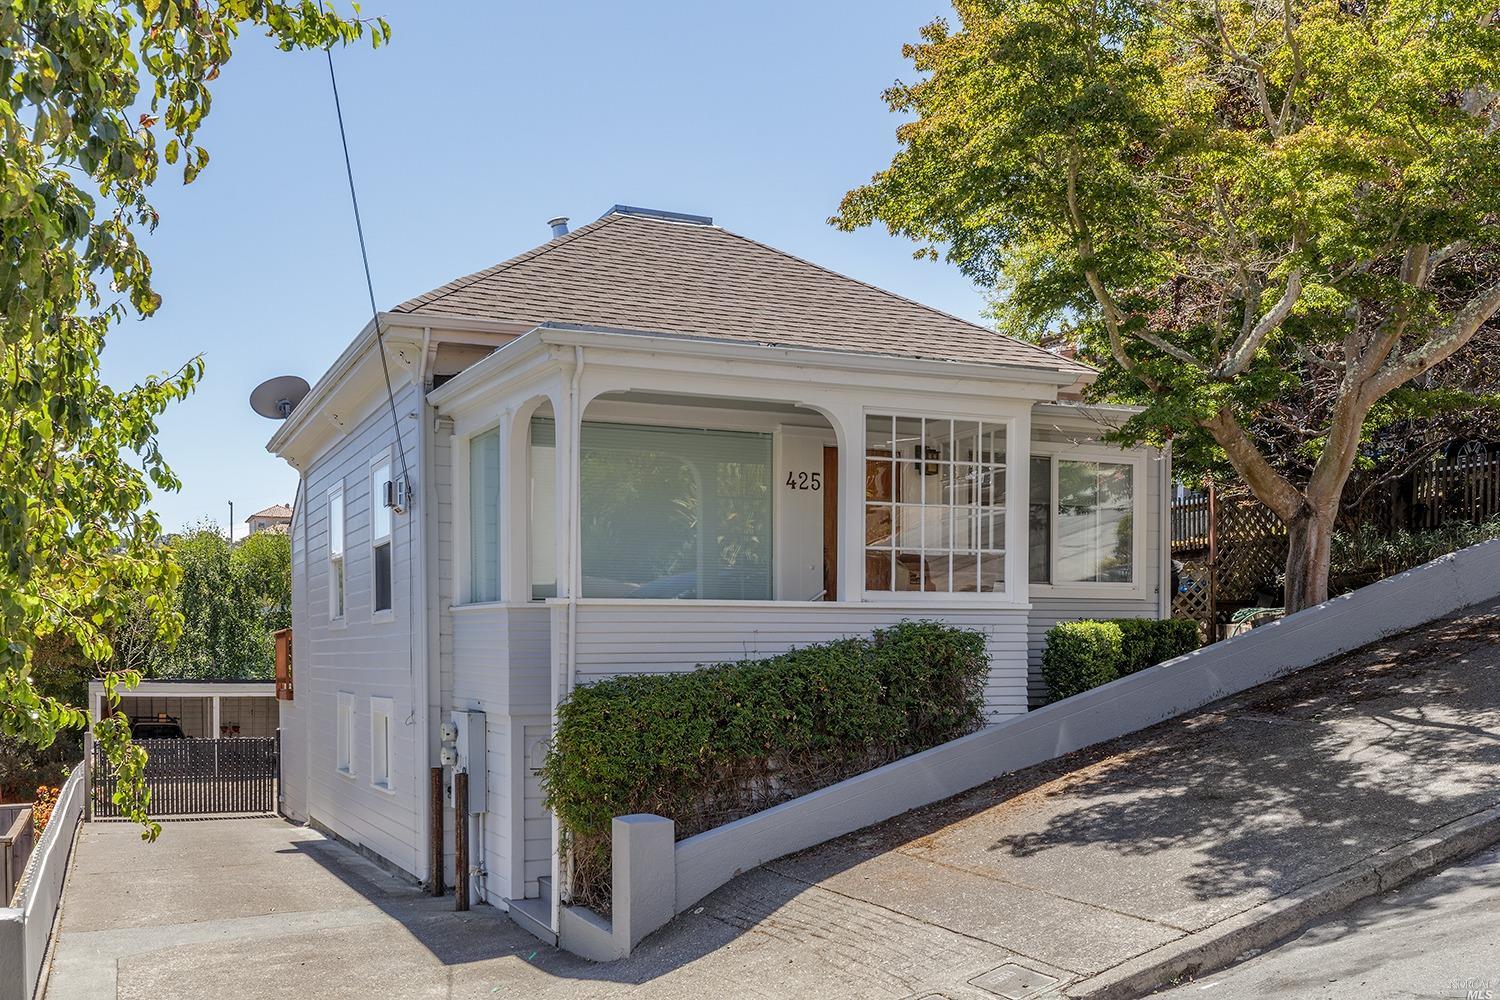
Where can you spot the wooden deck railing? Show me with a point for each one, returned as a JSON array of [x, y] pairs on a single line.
[[17, 837]]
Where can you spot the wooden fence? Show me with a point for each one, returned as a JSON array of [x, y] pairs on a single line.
[[17, 835], [1232, 549]]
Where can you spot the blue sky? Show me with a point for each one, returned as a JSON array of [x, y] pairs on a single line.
[[476, 125]]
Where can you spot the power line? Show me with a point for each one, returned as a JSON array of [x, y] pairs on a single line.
[[364, 255]]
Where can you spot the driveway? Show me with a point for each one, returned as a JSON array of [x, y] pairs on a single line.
[[1059, 876]]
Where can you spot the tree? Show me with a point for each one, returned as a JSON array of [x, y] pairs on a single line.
[[82, 145], [230, 598], [1232, 200], [264, 561]]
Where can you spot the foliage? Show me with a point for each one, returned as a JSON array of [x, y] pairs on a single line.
[[1085, 654], [1368, 553], [1260, 219], [707, 747], [231, 598], [42, 804], [82, 145], [1080, 656], [1145, 642]]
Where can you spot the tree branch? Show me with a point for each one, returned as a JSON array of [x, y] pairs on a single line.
[[1475, 313], [1243, 350], [1270, 487]]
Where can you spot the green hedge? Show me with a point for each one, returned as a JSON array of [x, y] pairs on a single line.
[[715, 744], [1084, 654], [1079, 656], [1145, 642]]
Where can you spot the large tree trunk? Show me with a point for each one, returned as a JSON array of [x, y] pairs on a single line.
[[1309, 537]]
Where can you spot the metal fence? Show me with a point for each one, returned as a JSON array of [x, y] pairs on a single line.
[[198, 777]]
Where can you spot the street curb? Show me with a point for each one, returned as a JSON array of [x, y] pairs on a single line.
[[1214, 947]]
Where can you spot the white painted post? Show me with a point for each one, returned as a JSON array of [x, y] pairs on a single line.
[[1018, 508], [213, 732], [849, 426], [644, 876]]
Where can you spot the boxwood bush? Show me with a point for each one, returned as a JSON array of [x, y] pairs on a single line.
[[1079, 656], [1145, 642], [1084, 654], [710, 746]]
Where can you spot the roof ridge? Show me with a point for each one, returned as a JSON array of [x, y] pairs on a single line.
[[897, 295], [457, 284]]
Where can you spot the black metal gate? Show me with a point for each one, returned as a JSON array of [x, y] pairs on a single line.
[[198, 777]]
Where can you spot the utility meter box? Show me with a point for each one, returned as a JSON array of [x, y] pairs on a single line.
[[468, 754]]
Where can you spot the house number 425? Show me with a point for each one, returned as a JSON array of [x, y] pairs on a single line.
[[804, 481]]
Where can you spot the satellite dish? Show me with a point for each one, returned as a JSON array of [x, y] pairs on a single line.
[[276, 397]]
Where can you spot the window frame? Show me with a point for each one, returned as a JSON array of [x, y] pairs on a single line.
[[343, 735], [464, 513], [382, 460], [382, 710], [338, 597], [1006, 423], [1139, 587]]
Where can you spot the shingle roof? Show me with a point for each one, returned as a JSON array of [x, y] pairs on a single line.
[[642, 272], [275, 510]]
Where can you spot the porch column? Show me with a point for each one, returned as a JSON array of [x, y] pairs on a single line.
[[849, 425], [1018, 507], [213, 732], [515, 504]]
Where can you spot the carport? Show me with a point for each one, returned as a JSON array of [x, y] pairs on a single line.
[[206, 709]]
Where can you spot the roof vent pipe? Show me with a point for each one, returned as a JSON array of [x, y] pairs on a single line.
[[559, 226]]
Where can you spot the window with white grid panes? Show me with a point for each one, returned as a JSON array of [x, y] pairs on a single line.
[[934, 505]]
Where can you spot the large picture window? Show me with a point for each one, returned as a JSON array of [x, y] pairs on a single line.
[[665, 512], [484, 517], [1083, 518], [934, 505]]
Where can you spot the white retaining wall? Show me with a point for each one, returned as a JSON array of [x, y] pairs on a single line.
[[702, 863], [25, 929]]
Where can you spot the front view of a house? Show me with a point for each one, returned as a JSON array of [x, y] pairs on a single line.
[[647, 445]]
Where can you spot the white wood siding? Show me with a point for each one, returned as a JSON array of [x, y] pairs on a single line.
[[365, 658], [648, 637], [293, 717], [500, 660]]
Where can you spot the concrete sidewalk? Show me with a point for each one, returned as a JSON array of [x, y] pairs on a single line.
[[1104, 873]]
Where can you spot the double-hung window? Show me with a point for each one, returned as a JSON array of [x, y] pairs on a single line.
[[934, 505], [380, 535], [336, 553], [1083, 523]]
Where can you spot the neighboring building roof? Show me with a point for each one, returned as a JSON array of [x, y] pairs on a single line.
[[668, 273], [276, 510]]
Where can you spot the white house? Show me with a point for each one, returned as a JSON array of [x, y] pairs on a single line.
[[648, 444]]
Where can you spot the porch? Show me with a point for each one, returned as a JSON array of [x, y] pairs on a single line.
[[640, 504]]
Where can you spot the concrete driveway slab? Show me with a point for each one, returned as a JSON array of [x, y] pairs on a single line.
[[1100, 874]]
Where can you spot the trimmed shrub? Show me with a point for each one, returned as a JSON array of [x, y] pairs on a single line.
[[1145, 642], [710, 746], [1084, 654], [1080, 656]]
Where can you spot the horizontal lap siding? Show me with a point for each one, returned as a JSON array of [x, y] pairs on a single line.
[[622, 639], [494, 855], [364, 657]]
